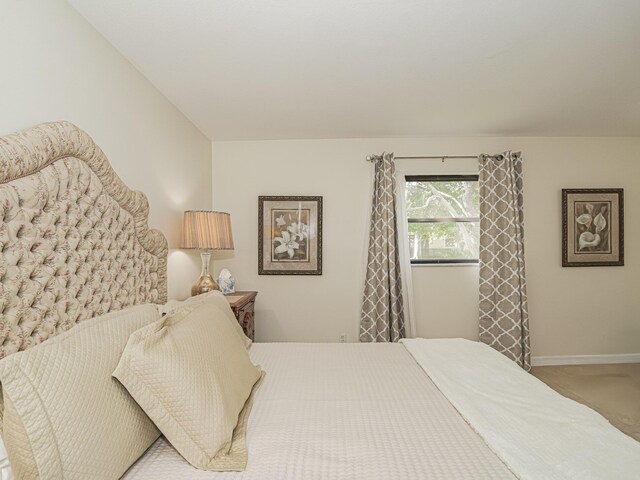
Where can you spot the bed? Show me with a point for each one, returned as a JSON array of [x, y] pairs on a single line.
[[75, 244], [353, 411]]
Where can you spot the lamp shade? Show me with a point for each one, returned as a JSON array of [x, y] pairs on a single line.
[[206, 230]]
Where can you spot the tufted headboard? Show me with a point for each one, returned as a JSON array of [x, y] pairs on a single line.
[[74, 240]]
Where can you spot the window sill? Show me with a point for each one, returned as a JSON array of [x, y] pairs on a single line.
[[466, 264]]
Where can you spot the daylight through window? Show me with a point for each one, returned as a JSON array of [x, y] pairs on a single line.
[[443, 218]]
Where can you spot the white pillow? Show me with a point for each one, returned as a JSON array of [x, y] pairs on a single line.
[[63, 413], [5, 469], [215, 297], [191, 373]]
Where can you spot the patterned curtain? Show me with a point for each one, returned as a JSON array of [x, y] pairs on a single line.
[[504, 320], [382, 318]]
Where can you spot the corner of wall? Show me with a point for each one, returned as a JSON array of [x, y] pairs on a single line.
[[213, 173]]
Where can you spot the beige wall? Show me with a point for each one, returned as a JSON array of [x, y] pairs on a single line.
[[56, 66], [573, 310]]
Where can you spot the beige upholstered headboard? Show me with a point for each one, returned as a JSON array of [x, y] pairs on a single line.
[[74, 240]]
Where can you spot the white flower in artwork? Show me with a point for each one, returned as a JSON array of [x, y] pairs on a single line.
[[287, 244], [299, 230], [600, 223], [280, 221], [588, 239], [585, 219]]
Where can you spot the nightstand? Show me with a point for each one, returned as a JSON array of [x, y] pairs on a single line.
[[242, 304]]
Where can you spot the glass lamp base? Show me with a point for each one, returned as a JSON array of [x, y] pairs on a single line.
[[205, 284]]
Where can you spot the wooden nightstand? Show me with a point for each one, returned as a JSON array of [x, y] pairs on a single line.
[[242, 304]]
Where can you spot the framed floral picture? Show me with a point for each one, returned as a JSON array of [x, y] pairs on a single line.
[[289, 235], [592, 227]]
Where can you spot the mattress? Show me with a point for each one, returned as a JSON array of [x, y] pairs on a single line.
[[344, 411]]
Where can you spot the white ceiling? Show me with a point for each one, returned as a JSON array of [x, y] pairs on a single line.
[[267, 69]]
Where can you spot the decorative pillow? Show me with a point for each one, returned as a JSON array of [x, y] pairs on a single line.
[[216, 298], [192, 375], [64, 415]]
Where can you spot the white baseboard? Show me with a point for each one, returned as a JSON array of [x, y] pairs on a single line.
[[585, 359]]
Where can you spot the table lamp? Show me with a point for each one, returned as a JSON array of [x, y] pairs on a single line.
[[206, 230]]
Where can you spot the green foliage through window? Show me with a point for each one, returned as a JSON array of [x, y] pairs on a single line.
[[443, 218]]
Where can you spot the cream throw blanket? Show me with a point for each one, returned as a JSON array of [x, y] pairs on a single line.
[[538, 433]]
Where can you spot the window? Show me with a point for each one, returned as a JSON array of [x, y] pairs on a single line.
[[443, 219]]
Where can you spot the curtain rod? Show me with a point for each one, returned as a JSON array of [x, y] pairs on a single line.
[[373, 158], [444, 157]]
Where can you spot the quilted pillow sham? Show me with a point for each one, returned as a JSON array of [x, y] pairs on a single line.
[[192, 375], [216, 298], [64, 416]]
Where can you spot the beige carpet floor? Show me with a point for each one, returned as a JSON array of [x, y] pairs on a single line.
[[612, 390]]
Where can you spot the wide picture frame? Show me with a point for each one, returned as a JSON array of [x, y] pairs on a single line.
[[290, 235], [592, 227]]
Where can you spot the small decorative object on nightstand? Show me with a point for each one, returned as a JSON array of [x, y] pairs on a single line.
[[242, 304], [206, 230], [226, 282]]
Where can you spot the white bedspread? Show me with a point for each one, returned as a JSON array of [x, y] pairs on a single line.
[[344, 411], [537, 432]]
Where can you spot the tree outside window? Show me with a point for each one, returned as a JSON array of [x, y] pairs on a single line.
[[443, 218]]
